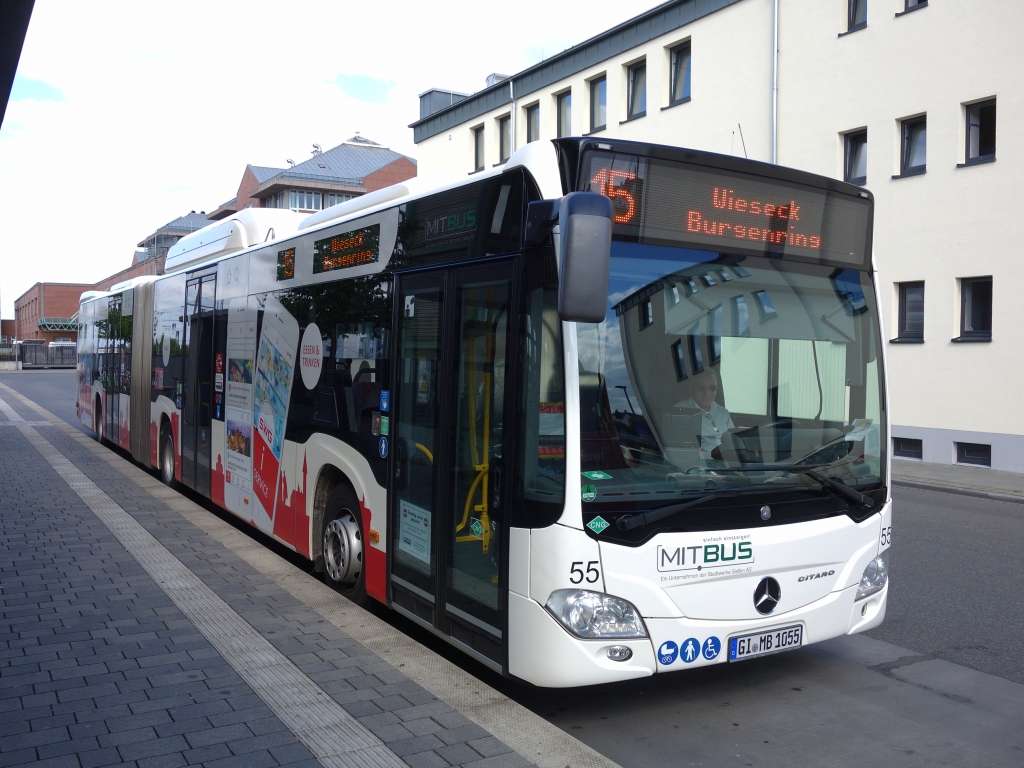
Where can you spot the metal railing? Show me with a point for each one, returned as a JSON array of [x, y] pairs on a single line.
[[54, 355]]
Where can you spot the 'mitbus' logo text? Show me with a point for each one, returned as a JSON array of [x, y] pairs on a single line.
[[452, 224], [705, 556]]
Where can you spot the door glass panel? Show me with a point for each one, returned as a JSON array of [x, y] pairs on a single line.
[[473, 578], [188, 405], [417, 434], [203, 343]]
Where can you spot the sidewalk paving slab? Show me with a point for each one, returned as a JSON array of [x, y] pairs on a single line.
[[99, 665]]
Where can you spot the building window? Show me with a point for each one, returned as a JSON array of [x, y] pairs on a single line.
[[974, 453], [911, 319], [504, 138], [598, 103], [696, 354], [856, 157], [740, 316], [679, 74], [765, 307], [975, 309], [334, 199], [858, 17], [532, 123], [678, 361], [301, 200], [910, 5], [715, 334], [564, 114], [914, 146], [636, 105], [907, 447], [981, 132], [646, 313], [478, 148]]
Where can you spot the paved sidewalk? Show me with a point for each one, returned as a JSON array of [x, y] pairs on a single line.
[[137, 628], [959, 478]]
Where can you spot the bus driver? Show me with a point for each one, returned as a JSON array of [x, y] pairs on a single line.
[[714, 418]]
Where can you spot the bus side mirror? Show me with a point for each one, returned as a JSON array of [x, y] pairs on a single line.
[[585, 240]]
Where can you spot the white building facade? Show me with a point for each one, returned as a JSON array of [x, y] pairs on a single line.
[[919, 102]]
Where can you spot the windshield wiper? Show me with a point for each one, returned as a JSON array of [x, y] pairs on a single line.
[[811, 471], [629, 522]]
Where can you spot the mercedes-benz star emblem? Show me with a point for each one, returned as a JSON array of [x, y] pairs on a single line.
[[766, 512], [767, 596]]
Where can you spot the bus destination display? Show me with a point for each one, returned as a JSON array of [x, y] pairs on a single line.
[[656, 201], [349, 249]]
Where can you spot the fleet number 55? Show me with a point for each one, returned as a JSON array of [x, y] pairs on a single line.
[[576, 574]]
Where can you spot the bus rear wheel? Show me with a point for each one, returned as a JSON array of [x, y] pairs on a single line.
[[343, 546], [167, 458], [97, 421]]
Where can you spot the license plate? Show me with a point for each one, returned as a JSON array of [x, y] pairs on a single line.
[[763, 643]]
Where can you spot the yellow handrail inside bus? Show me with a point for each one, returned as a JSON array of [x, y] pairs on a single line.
[[482, 468]]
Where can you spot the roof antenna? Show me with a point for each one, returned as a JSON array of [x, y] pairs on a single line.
[[744, 142]]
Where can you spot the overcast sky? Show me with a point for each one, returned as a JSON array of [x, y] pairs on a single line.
[[126, 115]]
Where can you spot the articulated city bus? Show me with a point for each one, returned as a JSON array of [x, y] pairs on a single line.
[[607, 411]]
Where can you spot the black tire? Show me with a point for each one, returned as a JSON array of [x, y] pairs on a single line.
[[97, 421], [166, 457], [342, 538]]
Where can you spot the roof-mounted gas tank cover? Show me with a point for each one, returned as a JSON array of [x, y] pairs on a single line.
[[248, 227], [585, 242]]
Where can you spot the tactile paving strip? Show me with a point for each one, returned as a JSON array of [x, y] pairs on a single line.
[[336, 738]]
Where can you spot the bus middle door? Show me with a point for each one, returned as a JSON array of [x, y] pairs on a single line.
[[197, 405]]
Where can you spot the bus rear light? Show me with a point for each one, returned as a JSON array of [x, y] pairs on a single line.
[[594, 615]]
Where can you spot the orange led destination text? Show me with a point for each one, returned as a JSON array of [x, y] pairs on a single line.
[[779, 227], [348, 259]]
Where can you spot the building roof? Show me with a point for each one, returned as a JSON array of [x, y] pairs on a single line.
[[182, 225], [629, 34], [262, 172], [348, 163]]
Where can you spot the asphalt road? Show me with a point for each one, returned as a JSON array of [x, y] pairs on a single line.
[[941, 682]]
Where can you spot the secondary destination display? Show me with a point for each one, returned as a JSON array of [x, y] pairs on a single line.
[[349, 249], [657, 201]]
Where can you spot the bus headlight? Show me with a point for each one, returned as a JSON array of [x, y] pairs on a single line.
[[595, 615], [875, 576]]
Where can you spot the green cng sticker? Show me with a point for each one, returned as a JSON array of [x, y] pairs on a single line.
[[589, 493], [597, 475], [598, 524]]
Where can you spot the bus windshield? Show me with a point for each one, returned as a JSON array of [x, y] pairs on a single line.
[[718, 372]]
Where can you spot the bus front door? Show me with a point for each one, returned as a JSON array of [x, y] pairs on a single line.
[[448, 531], [197, 404]]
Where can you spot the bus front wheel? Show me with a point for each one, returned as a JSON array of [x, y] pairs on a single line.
[[343, 546]]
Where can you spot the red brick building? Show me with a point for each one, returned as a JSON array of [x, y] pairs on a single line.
[[47, 311], [356, 166], [353, 168]]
